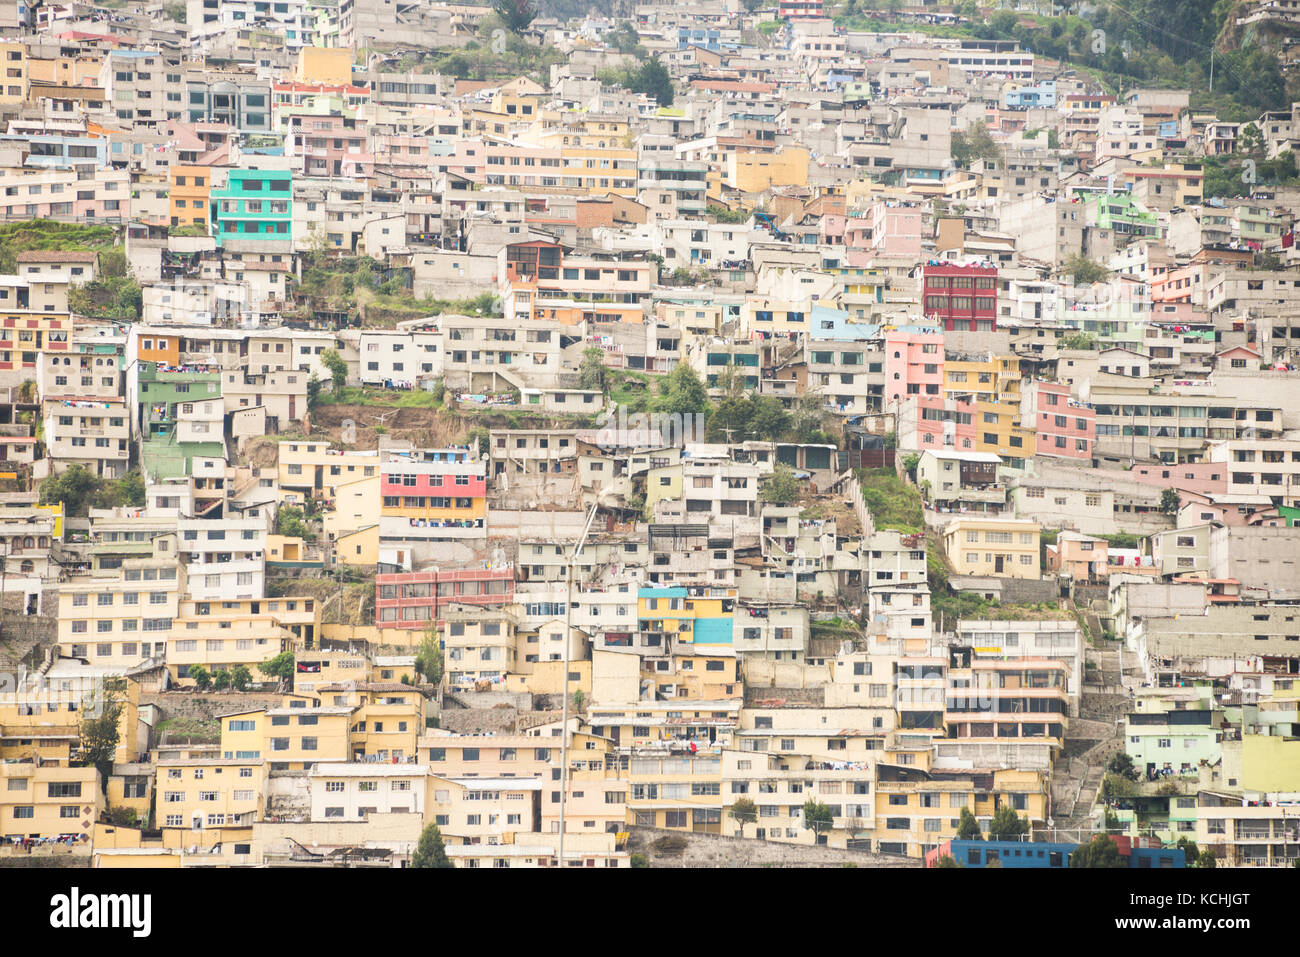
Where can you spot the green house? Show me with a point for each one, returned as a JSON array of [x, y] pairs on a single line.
[[1118, 212]]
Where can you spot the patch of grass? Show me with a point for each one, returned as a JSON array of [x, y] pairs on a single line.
[[893, 503], [195, 729], [389, 398], [634, 390]]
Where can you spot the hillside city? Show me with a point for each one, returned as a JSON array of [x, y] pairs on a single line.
[[714, 433]]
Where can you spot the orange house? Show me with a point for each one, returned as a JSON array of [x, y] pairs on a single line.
[[189, 195], [162, 347]]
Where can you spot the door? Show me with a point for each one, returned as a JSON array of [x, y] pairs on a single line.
[[997, 565]]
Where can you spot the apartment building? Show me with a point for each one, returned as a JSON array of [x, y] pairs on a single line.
[[92, 432], [433, 496]]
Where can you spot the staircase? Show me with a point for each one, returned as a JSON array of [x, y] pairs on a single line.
[[1092, 739]]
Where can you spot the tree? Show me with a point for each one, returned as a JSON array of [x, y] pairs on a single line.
[[591, 374], [817, 818], [516, 15], [768, 418], [743, 812], [1007, 825], [202, 677], [1170, 501], [730, 420], [220, 680], [1117, 786], [807, 417], [1101, 851], [682, 392], [313, 391], [1079, 341], [654, 81], [281, 666], [1190, 851], [968, 829], [99, 734], [428, 658], [74, 487], [1208, 859], [430, 852], [975, 143], [650, 78], [1122, 764], [781, 487], [946, 860], [577, 699], [1250, 142], [129, 490], [1085, 271], [288, 521], [338, 368], [241, 678]]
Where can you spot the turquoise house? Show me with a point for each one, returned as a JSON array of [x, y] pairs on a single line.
[[255, 206]]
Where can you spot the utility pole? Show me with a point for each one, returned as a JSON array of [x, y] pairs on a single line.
[[1211, 69], [568, 645]]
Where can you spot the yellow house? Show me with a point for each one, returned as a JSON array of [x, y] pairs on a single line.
[[754, 171], [454, 755], [300, 736], [42, 721], [14, 88], [479, 644], [520, 98], [212, 801], [663, 483], [547, 677], [993, 384], [387, 721], [39, 801], [222, 641], [360, 547], [678, 791], [353, 523], [243, 735], [483, 810], [327, 65], [314, 470], [80, 70], [1269, 762], [1002, 547], [695, 677], [286, 548], [130, 788], [317, 669], [914, 813]]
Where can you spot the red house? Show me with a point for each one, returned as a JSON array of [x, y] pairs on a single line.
[[962, 298]]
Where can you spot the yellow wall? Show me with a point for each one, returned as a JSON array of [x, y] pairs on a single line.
[[47, 811], [754, 172], [332, 65], [1269, 763]]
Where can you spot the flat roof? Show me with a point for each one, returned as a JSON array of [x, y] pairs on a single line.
[[365, 769]]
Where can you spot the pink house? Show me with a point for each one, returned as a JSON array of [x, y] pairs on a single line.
[[330, 145], [913, 363], [935, 423], [886, 229], [1204, 478], [1065, 426]]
